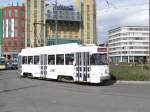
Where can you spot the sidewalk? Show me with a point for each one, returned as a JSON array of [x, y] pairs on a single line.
[[133, 82]]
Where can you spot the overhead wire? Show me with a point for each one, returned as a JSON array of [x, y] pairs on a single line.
[[113, 6]]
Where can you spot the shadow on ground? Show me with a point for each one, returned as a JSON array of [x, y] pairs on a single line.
[[104, 83]]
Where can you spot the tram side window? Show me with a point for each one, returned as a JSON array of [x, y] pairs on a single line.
[[36, 60], [24, 60], [60, 59], [30, 59], [51, 59], [69, 58]]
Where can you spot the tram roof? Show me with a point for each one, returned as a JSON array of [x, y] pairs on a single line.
[[59, 49]]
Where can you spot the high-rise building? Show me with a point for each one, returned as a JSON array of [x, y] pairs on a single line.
[[48, 24], [35, 23], [62, 24], [1, 31], [88, 26], [13, 30], [129, 44]]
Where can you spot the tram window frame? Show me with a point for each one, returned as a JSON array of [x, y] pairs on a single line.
[[24, 60], [30, 61], [68, 59], [36, 60], [50, 60], [60, 61]]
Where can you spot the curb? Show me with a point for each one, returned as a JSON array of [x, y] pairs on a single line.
[[133, 82]]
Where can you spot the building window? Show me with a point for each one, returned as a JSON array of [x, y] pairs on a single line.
[[9, 34], [28, 43], [16, 23], [6, 49], [4, 13], [48, 11], [22, 24], [22, 44], [16, 33], [22, 34], [15, 44], [22, 13], [35, 4], [10, 13], [16, 13], [15, 49], [9, 43]]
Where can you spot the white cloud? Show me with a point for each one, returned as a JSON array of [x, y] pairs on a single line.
[[119, 13], [138, 18], [124, 14]]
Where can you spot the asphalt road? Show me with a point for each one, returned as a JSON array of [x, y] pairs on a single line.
[[32, 95]]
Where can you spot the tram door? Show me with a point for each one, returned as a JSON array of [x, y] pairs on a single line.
[[43, 65], [83, 67]]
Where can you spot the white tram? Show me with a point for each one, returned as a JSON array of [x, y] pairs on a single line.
[[67, 61]]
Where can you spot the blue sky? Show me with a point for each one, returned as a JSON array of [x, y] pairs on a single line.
[[121, 13], [116, 13], [9, 2]]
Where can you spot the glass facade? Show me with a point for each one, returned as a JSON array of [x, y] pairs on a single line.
[[62, 14], [68, 25], [35, 29], [67, 16], [88, 18], [52, 41], [129, 44]]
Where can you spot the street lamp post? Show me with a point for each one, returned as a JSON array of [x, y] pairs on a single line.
[[149, 41], [56, 23]]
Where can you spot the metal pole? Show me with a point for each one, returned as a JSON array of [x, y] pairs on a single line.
[[149, 41], [56, 24], [35, 34]]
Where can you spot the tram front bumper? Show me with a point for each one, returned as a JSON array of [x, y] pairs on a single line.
[[103, 78]]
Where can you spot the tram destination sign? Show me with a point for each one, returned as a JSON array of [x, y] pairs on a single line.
[[102, 49]]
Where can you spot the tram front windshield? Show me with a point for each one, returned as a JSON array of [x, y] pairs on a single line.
[[98, 59]]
